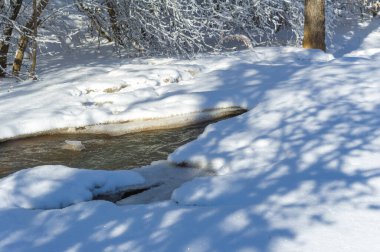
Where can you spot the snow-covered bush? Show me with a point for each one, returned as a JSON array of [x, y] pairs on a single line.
[[355, 8], [169, 27], [185, 27]]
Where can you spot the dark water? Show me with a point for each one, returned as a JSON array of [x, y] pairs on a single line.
[[102, 152]]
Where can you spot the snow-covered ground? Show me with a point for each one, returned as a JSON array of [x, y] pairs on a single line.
[[47, 187], [300, 171]]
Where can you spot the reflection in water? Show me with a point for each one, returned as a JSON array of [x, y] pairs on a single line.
[[102, 152]]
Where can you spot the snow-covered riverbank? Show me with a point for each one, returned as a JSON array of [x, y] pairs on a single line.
[[79, 95], [300, 171]]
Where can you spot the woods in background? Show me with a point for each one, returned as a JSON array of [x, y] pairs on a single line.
[[170, 28]]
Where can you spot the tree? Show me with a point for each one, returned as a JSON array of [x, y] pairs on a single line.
[[27, 33], [14, 9], [32, 72], [314, 27]]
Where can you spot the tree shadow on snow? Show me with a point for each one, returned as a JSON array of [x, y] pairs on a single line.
[[291, 165]]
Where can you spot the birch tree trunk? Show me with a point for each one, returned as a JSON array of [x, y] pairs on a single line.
[[17, 63], [314, 28]]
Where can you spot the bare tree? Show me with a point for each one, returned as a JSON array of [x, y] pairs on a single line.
[[14, 9], [32, 72], [111, 9], [95, 18], [27, 33]]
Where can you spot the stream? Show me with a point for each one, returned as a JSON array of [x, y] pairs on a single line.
[[129, 151], [101, 151]]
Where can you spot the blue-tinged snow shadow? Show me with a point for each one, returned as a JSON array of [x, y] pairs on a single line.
[[351, 35], [315, 153]]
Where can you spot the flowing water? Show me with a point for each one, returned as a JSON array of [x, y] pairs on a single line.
[[101, 152]]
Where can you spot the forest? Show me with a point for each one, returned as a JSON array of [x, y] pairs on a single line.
[[153, 28]]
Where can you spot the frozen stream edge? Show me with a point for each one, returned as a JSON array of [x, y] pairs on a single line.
[[134, 126], [175, 121]]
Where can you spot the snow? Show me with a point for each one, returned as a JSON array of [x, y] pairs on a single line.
[[126, 91], [162, 177], [47, 187], [298, 172]]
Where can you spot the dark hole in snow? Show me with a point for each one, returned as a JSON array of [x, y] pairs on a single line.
[[115, 197]]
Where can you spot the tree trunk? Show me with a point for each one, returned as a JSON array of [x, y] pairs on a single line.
[[314, 28], [24, 39], [17, 63], [95, 22], [32, 72], [15, 7], [114, 24]]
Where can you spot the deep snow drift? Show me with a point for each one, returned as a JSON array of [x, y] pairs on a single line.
[[300, 171]]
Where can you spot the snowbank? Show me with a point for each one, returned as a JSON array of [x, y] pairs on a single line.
[[47, 187], [79, 95], [297, 115]]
